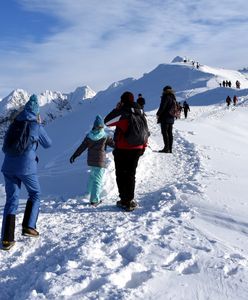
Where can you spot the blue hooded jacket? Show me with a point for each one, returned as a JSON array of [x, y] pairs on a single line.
[[26, 163]]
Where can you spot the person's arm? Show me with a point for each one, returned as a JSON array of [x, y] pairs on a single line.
[[162, 107], [110, 142], [44, 140], [79, 151], [113, 116]]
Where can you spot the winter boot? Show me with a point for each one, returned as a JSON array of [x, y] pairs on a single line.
[[27, 231], [132, 205], [27, 213], [164, 150], [121, 204], [6, 245], [9, 228]]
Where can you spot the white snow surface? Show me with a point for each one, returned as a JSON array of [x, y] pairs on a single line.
[[187, 240]]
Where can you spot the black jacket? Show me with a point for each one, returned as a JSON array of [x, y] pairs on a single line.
[[165, 105]]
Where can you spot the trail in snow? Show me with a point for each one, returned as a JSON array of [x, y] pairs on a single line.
[[105, 253]]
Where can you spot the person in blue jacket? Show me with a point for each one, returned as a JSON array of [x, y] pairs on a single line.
[[22, 169]]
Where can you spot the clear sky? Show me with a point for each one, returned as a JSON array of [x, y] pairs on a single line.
[[62, 44]]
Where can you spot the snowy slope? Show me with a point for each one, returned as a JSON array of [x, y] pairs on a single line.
[[187, 240]]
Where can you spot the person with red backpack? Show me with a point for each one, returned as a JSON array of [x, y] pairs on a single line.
[[127, 152]]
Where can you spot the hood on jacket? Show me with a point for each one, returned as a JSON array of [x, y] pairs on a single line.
[[98, 123], [31, 109], [96, 134], [169, 92]]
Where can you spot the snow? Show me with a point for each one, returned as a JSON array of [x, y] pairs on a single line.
[[187, 239]]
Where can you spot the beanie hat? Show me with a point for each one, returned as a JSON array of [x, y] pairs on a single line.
[[167, 87], [140, 95], [98, 122], [127, 98], [32, 105]]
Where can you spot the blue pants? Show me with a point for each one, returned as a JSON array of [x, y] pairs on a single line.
[[94, 187], [12, 188]]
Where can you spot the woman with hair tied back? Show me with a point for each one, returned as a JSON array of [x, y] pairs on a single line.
[[126, 155]]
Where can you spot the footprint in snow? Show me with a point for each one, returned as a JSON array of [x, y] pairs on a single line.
[[182, 262]]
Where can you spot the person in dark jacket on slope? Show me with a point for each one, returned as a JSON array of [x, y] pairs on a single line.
[[96, 141], [166, 119], [126, 156], [185, 109], [228, 101], [141, 101], [22, 169]]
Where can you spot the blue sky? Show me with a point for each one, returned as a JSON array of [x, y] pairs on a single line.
[[18, 24], [62, 44]]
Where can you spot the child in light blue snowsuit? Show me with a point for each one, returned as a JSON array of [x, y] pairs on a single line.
[[96, 141]]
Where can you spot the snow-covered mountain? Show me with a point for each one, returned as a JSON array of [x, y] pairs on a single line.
[[188, 238], [52, 104]]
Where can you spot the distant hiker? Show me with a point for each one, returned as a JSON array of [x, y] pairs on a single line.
[[126, 152], [186, 109], [141, 101], [235, 100], [179, 107], [228, 101], [96, 141], [197, 65], [237, 84], [224, 83], [220, 84], [227, 83], [165, 118], [20, 167]]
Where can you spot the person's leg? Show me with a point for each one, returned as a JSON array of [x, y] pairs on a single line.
[[31, 213], [170, 136], [97, 178], [12, 188], [120, 171], [131, 166], [164, 130], [90, 183]]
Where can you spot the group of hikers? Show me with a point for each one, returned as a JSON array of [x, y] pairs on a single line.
[[130, 141], [182, 107], [228, 83], [194, 63], [229, 100]]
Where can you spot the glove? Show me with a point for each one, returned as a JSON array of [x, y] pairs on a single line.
[[72, 159]]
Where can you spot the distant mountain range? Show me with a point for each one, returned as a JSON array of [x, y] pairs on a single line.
[[52, 104]]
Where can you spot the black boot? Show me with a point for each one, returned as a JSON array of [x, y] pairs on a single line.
[[9, 229], [27, 213]]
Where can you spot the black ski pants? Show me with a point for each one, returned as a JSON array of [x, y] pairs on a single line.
[[185, 113], [167, 134], [126, 162]]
